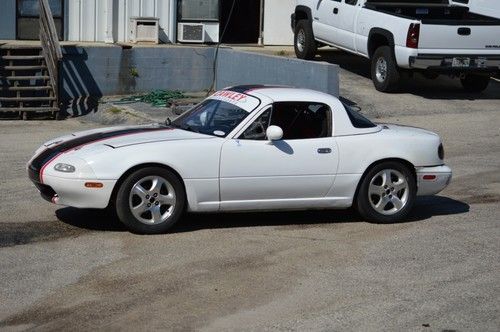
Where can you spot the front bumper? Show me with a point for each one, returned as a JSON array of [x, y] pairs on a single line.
[[444, 63], [432, 180], [68, 191]]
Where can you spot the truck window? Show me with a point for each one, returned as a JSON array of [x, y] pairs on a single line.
[[351, 2]]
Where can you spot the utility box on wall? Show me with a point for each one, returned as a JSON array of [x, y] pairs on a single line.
[[144, 29]]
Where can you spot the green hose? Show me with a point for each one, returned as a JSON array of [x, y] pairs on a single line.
[[157, 98]]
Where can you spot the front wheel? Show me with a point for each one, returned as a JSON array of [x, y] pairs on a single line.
[[387, 193], [475, 83], [384, 70], [304, 44], [150, 200]]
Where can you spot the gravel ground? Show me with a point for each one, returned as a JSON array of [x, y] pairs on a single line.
[[63, 268]]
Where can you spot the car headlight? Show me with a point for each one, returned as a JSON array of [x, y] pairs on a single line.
[[66, 168]]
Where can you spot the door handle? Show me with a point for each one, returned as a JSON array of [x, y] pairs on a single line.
[[335, 10], [324, 150]]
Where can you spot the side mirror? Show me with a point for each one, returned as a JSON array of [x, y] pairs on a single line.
[[274, 133]]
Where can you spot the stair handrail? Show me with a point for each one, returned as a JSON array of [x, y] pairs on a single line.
[[50, 44]]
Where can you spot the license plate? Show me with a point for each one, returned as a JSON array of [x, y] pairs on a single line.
[[460, 62]]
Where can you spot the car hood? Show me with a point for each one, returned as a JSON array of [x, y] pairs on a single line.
[[116, 137]]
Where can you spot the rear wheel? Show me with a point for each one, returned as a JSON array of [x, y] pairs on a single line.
[[150, 200], [304, 44], [475, 83], [387, 193], [384, 70]]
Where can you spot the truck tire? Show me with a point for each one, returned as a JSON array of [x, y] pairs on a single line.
[[384, 70], [475, 83], [304, 44]]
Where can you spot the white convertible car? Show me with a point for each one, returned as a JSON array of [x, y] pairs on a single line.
[[245, 148]]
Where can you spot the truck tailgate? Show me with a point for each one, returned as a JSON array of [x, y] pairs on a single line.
[[456, 37]]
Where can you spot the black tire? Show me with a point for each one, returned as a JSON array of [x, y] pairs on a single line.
[[123, 208], [365, 201], [389, 82], [475, 83], [307, 48]]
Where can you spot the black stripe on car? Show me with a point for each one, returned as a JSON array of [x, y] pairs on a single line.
[[48, 154]]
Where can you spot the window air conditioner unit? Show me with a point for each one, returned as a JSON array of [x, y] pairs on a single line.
[[191, 32], [144, 29]]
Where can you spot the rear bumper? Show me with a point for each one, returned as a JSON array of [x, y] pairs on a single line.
[[443, 63], [432, 180]]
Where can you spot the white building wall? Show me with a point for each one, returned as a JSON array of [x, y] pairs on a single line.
[[277, 30], [108, 20]]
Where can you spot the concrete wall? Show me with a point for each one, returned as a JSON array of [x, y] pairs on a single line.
[[236, 67], [277, 30], [88, 73], [8, 19]]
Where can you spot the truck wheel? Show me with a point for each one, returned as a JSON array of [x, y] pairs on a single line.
[[150, 200], [304, 43], [387, 193], [385, 72], [475, 83]]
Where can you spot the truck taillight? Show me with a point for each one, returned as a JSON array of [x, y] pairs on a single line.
[[413, 35]]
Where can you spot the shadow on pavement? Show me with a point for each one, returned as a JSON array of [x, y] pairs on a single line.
[[443, 87], [103, 220]]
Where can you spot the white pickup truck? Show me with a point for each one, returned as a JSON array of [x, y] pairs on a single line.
[[404, 36]]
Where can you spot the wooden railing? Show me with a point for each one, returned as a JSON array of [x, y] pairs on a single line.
[[50, 45]]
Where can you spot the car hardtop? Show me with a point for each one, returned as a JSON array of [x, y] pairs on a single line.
[[268, 94]]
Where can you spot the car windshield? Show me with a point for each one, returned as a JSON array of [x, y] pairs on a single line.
[[211, 117]]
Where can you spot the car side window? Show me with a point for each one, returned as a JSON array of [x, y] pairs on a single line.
[[298, 120], [351, 2], [302, 120], [257, 130]]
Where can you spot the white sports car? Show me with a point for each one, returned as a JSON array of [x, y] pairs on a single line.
[[245, 148]]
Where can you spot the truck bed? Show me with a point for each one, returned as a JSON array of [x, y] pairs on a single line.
[[435, 13]]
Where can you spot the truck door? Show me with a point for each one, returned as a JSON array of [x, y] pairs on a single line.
[[344, 23], [322, 18]]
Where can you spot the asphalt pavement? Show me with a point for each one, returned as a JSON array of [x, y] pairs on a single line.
[[62, 268]]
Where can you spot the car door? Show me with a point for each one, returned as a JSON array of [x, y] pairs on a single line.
[[295, 171]]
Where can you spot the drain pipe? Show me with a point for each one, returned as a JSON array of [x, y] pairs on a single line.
[[261, 23], [172, 21]]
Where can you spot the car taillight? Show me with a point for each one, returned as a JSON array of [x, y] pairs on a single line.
[[413, 35], [441, 152]]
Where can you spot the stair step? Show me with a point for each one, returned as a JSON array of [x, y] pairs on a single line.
[[28, 109], [26, 88], [26, 78], [25, 67], [27, 98], [22, 57]]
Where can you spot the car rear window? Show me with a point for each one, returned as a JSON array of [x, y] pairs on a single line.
[[357, 119]]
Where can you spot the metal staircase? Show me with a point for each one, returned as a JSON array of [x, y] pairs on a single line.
[[29, 74]]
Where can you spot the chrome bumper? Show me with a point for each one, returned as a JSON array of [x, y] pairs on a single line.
[[439, 62], [432, 180]]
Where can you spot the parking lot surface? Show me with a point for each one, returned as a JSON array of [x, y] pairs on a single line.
[[64, 268]]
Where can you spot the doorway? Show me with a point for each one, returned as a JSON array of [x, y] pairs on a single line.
[[27, 18], [244, 23]]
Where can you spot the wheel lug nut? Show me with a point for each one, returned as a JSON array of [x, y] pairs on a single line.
[[155, 195], [147, 196], [149, 205], [156, 203]]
